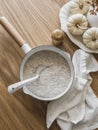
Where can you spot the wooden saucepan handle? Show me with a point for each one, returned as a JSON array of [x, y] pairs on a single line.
[[12, 31]]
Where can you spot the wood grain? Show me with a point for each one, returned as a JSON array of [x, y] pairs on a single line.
[[34, 20]]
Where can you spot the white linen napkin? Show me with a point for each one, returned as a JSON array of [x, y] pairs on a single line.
[[78, 108]]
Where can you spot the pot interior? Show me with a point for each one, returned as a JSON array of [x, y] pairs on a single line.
[[42, 53]]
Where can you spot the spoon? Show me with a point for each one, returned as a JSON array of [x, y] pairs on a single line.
[[16, 86]]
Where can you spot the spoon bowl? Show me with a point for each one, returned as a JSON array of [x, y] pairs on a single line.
[[16, 86]]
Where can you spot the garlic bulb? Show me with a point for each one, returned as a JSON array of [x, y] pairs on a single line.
[[90, 38], [79, 6], [77, 24]]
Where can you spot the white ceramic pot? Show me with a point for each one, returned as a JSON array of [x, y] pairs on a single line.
[[29, 52], [92, 18]]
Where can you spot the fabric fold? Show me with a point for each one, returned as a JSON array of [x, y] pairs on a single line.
[[71, 109]]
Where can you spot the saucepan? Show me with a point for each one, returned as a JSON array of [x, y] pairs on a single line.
[[29, 52]]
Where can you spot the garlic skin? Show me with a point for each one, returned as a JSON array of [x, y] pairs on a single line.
[[90, 38], [79, 6], [77, 24]]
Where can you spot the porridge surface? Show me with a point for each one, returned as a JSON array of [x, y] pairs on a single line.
[[53, 80]]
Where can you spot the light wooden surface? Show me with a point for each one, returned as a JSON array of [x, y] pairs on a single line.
[[34, 20]]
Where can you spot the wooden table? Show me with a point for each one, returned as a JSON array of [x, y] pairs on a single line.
[[34, 20]]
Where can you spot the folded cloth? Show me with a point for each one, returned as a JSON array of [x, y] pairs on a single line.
[[78, 108]]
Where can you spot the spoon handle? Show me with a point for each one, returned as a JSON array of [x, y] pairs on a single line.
[[16, 86]]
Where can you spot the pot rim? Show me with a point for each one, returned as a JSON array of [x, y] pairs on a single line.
[[64, 54]]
